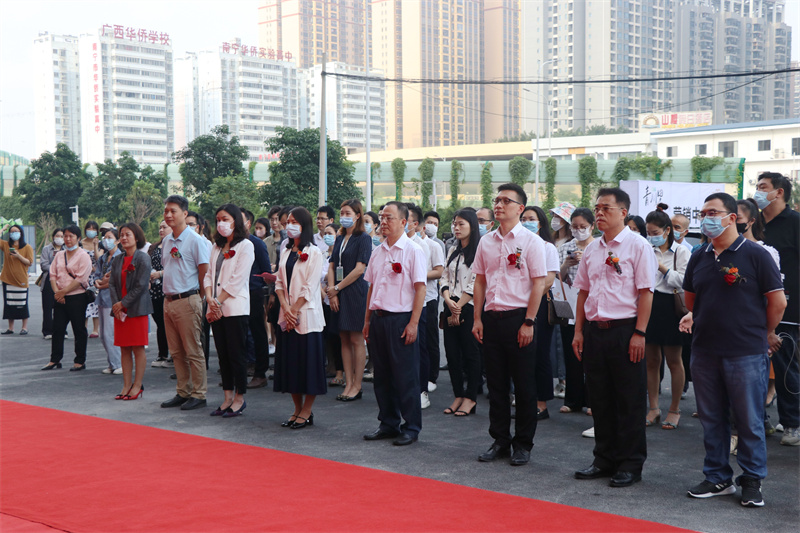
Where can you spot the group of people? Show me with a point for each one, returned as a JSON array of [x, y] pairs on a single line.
[[321, 294]]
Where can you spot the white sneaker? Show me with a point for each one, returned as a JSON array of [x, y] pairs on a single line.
[[108, 370], [589, 433], [513, 400], [734, 444], [169, 363], [157, 363], [117, 371], [779, 427], [431, 386], [791, 437], [272, 349], [560, 390], [48, 337], [426, 402]]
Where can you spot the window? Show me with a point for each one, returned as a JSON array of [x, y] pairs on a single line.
[[764, 146], [728, 149], [796, 146], [672, 151], [700, 149]]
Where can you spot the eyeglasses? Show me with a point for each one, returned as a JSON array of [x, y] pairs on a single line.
[[711, 213], [604, 208], [321, 219], [386, 218], [483, 221], [505, 201], [192, 224]]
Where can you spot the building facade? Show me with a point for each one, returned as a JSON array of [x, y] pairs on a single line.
[[187, 100], [57, 92]]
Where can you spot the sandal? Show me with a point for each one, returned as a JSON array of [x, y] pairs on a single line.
[[670, 425], [566, 409], [337, 382], [656, 420], [448, 411]]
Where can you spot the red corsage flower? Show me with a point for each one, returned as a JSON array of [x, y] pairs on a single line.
[[515, 259], [130, 268], [304, 257], [613, 260], [397, 268], [175, 253], [512, 259], [229, 254], [731, 275]]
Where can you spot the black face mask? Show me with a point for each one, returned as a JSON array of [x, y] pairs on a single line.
[[741, 227]]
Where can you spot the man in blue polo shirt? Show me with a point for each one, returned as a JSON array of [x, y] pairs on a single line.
[[735, 293]]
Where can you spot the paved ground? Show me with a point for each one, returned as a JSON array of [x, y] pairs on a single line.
[[447, 449]]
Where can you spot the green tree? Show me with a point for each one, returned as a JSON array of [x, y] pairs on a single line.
[[53, 183], [208, 157], [237, 190], [375, 175], [399, 173], [456, 177], [486, 185], [294, 179], [649, 165], [622, 170], [702, 165], [142, 204], [424, 184], [587, 176], [520, 170], [550, 168]]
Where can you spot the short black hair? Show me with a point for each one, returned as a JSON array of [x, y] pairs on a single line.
[[75, 230], [56, 231], [515, 188], [660, 218], [584, 212], [239, 231], [274, 210], [179, 200], [433, 214], [727, 200], [328, 210], [415, 210], [619, 195], [112, 230], [779, 181], [544, 227], [138, 234], [91, 224], [285, 210], [402, 209], [249, 214]]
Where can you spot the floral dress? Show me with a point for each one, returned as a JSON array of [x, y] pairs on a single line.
[[91, 309]]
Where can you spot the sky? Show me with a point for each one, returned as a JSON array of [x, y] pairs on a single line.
[[193, 25]]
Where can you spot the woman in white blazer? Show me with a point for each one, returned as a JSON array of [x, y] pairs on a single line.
[[300, 359], [227, 289]]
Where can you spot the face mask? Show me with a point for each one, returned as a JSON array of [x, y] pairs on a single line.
[[368, 227], [656, 240], [329, 239], [260, 233], [72, 248], [532, 226], [556, 224], [15, 235], [761, 199], [376, 241], [711, 227], [406, 228], [293, 230], [108, 244], [482, 230], [430, 230], [741, 227], [225, 228], [582, 234], [91, 234], [58, 241], [679, 235], [346, 222]]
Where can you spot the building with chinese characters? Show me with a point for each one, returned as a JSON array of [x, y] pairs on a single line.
[[56, 92], [126, 81]]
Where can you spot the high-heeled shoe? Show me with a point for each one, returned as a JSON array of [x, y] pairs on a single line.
[[220, 411], [230, 413], [129, 397], [307, 422], [122, 395], [459, 412], [78, 368], [51, 366], [351, 398], [288, 423]]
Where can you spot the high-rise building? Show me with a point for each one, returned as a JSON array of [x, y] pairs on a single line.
[[187, 100], [345, 106], [56, 92], [716, 36], [308, 28], [795, 91], [126, 82], [501, 103]]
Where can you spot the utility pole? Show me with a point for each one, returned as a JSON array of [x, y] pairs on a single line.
[[323, 140], [366, 55], [539, 129]]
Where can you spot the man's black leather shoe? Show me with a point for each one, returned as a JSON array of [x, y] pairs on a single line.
[[494, 451], [624, 479], [380, 434], [176, 401], [592, 473], [404, 440], [520, 457], [193, 403]]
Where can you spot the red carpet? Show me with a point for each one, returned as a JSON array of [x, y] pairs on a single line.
[[78, 473]]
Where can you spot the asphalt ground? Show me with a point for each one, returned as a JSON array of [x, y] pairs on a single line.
[[447, 449]]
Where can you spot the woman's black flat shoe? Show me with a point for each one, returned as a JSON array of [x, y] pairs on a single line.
[[308, 422], [51, 366], [351, 398], [289, 422], [77, 368]]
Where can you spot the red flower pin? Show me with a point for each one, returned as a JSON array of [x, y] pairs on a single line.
[[397, 268], [130, 268], [229, 254], [304, 257], [512, 259], [175, 253]]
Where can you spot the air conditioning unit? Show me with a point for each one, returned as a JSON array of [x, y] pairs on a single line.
[[778, 153]]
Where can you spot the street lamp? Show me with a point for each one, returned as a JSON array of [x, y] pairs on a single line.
[[539, 128]]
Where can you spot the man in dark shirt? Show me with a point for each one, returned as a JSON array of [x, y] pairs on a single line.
[[258, 329], [734, 291], [782, 232]]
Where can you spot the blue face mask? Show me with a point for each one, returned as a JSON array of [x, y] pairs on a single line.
[[71, 248], [91, 234], [108, 244], [330, 239], [532, 226], [346, 222], [482, 230], [376, 241], [761, 199], [15, 235], [368, 227], [406, 229], [711, 227], [656, 240]]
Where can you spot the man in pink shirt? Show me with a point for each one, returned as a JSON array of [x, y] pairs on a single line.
[[397, 274], [616, 279], [510, 272]]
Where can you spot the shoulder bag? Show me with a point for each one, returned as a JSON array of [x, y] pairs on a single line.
[[559, 312], [91, 293], [680, 299]]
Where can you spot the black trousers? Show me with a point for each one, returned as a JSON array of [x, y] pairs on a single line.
[[432, 339], [424, 360], [48, 301], [575, 396], [72, 311], [205, 338], [463, 356], [396, 379], [161, 331], [506, 362], [543, 338], [618, 388], [259, 332], [229, 339]]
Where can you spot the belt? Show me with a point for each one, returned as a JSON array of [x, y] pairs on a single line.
[[608, 324], [505, 314], [186, 294], [382, 313]]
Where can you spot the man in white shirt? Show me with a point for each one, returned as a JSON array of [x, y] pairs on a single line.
[[432, 297], [680, 227], [325, 216]]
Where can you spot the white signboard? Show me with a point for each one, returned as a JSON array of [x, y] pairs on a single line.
[[682, 198]]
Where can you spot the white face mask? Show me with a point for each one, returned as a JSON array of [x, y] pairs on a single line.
[[556, 224], [582, 234], [430, 230], [260, 233], [58, 241], [293, 230], [225, 228]]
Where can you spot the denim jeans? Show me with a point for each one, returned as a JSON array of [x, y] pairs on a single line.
[[732, 384]]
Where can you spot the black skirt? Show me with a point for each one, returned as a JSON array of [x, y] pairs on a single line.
[[663, 326], [300, 364], [15, 302]]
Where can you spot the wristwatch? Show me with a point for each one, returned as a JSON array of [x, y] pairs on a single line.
[[639, 332], [336, 288], [530, 321]]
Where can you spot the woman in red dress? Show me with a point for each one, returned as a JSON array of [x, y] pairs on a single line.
[[129, 284]]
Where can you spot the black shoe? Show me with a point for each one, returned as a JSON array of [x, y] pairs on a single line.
[[404, 440], [230, 413], [542, 414], [193, 403], [173, 376], [305, 422], [288, 423], [51, 366], [350, 398], [751, 492], [624, 479], [381, 434], [592, 473], [175, 401], [494, 451], [77, 368], [520, 457]]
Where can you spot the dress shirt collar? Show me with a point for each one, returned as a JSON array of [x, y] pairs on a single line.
[[621, 236], [514, 231], [182, 235], [734, 247], [401, 243]]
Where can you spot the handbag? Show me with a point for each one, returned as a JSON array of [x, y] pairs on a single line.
[[91, 295], [680, 299], [445, 313], [559, 312], [40, 280]]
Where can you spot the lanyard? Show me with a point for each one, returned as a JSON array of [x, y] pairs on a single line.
[[345, 242]]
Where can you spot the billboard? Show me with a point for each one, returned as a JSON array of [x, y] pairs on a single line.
[[672, 121]]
